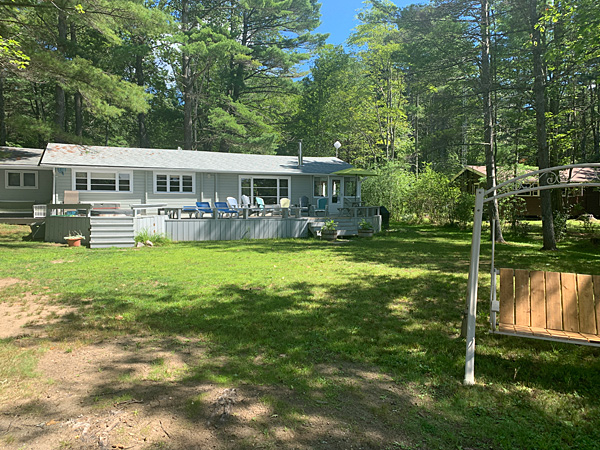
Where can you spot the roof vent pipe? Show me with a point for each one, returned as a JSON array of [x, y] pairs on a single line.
[[300, 162]]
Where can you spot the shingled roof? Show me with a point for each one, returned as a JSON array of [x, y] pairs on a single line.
[[20, 157], [69, 155]]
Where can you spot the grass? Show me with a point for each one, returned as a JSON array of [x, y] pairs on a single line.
[[273, 312]]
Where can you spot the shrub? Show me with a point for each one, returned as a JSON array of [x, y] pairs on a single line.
[[156, 238]]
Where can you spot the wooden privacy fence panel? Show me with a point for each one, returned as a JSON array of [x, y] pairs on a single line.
[[550, 305]]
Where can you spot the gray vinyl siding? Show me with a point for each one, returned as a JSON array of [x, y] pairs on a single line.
[[208, 187], [64, 182], [42, 194], [301, 185], [227, 186]]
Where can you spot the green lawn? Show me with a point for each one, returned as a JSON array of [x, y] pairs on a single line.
[[393, 302]]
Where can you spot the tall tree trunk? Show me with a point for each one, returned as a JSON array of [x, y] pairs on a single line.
[[78, 99], [142, 131], [488, 117], [539, 90], [2, 114], [188, 86], [59, 95]]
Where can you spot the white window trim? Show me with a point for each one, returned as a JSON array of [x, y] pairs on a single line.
[[178, 174], [21, 174], [89, 180], [262, 177]]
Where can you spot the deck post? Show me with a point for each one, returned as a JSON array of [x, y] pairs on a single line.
[[472, 289]]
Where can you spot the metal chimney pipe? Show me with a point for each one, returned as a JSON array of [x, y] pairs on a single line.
[[300, 162]]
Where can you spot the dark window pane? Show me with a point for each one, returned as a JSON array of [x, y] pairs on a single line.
[[124, 182], [174, 183], [187, 183], [14, 179], [29, 179], [161, 183], [103, 182]]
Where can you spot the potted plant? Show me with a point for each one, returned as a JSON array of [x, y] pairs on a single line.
[[74, 239], [365, 229], [329, 231]]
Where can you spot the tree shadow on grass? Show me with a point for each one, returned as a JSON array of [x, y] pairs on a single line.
[[293, 340]]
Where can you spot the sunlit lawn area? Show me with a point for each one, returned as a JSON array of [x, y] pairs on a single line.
[[394, 302]]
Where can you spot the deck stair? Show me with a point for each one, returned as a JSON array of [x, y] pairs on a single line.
[[345, 226], [115, 231]]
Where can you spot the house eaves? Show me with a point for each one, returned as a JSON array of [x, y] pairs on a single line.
[[68, 155]]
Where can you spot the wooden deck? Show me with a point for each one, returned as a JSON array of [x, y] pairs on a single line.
[[208, 229]]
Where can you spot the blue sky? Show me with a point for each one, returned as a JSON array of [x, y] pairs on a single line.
[[338, 17]]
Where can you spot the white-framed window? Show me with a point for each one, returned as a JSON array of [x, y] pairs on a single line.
[[270, 189], [21, 179], [95, 181], [174, 183], [320, 189]]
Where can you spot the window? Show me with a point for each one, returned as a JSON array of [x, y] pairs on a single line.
[[350, 187], [103, 181], [320, 187], [21, 180], [271, 190], [173, 183]]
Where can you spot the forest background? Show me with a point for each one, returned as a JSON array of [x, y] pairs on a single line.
[[434, 85]]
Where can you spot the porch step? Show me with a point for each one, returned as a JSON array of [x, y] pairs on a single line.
[[344, 227], [111, 232]]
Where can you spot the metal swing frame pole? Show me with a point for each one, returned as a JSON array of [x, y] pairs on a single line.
[[472, 288]]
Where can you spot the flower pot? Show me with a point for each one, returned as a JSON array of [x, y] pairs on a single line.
[[73, 242], [366, 233], [329, 235]]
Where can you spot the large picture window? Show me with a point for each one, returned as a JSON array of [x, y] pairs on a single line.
[[21, 180], [103, 181], [173, 183], [271, 190]]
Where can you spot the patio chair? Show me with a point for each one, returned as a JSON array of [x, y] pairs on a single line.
[[321, 207], [224, 210], [260, 204], [199, 210], [284, 204], [245, 201], [304, 205], [232, 202]]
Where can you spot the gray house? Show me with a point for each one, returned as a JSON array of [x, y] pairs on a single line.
[[132, 176], [22, 182]]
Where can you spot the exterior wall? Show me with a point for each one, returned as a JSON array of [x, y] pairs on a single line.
[[64, 182], [228, 185], [43, 193], [302, 185], [208, 187]]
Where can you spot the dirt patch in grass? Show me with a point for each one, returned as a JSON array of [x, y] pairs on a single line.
[[28, 314], [141, 393], [5, 282]]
